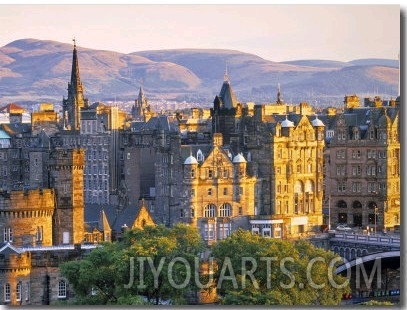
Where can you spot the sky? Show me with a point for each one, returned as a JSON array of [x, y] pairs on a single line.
[[341, 32]]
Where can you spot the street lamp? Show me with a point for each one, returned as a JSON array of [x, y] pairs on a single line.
[[329, 212], [375, 212], [375, 216]]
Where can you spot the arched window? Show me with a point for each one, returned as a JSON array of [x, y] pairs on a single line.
[[341, 204], [61, 289], [210, 211], [225, 210], [356, 204]]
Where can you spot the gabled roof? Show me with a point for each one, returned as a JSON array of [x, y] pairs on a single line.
[[12, 108], [8, 249], [161, 122]]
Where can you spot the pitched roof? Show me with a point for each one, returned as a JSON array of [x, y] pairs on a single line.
[[12, 108], [8, 249]]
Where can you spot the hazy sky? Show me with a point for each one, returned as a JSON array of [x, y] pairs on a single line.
[[274, 32]]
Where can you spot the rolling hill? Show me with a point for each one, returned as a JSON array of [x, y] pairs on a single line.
[[39, 70]]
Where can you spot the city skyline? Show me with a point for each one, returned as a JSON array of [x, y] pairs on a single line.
[[274, 32]]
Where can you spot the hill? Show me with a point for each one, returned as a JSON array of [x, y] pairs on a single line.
[[39, 70]]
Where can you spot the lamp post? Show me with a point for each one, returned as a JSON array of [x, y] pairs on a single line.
[[329, 212], [375, 216]]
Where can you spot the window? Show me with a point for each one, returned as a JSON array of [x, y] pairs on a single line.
[[62, 289], [192, 173], [340, 170], [210, 211], [8, 234], [18, 291], [27, 291], [356, 170], [225, 191], [209, 191], [39, 233], [266, 230], [225, 210], [209, 232], [356, 187], [240, 211], [192, 212], [224, 230], [341, 186], [210, 173], [7, 292], [278, 207]]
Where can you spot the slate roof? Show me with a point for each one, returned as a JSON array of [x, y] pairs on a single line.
[[115, 219], [161, 122]]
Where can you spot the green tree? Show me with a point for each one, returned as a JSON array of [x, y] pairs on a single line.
[[253, 270], [154, 264]]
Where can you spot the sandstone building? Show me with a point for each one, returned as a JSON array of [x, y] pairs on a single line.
[[363, 165]]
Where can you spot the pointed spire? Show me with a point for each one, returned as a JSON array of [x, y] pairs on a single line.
[[226, 76], [75, 76]]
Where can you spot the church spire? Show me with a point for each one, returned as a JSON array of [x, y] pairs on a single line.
[[75, 101], [226, 76], [75, 76]]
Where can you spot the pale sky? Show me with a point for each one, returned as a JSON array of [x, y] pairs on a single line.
[[275, 32]]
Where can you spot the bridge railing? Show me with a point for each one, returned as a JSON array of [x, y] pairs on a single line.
[[367, 238]]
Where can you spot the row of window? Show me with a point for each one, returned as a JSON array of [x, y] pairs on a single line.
[[358, 154], [357, 170], [8, 234], [223, 231], [220, 173], [19, 291], [372, 187]]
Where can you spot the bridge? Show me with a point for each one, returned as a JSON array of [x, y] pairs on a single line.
[[351, 246], [359, 248]]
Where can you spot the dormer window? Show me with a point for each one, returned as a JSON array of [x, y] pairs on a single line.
[[199, 156]]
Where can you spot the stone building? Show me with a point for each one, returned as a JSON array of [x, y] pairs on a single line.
[[217, 194], [141, 110], [363, 165], [26, 217]]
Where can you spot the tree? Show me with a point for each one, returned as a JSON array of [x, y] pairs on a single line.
[[253, 270], [154, 263]]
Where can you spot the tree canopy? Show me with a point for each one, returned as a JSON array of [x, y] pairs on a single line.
[[253, 270], [150, 265]]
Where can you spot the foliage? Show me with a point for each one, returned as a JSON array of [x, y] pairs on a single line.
[[376, 303], [272, 271], [141, 268]]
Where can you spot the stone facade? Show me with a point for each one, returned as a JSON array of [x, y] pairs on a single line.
[[66, 177], [363, 166], [26, 217]]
